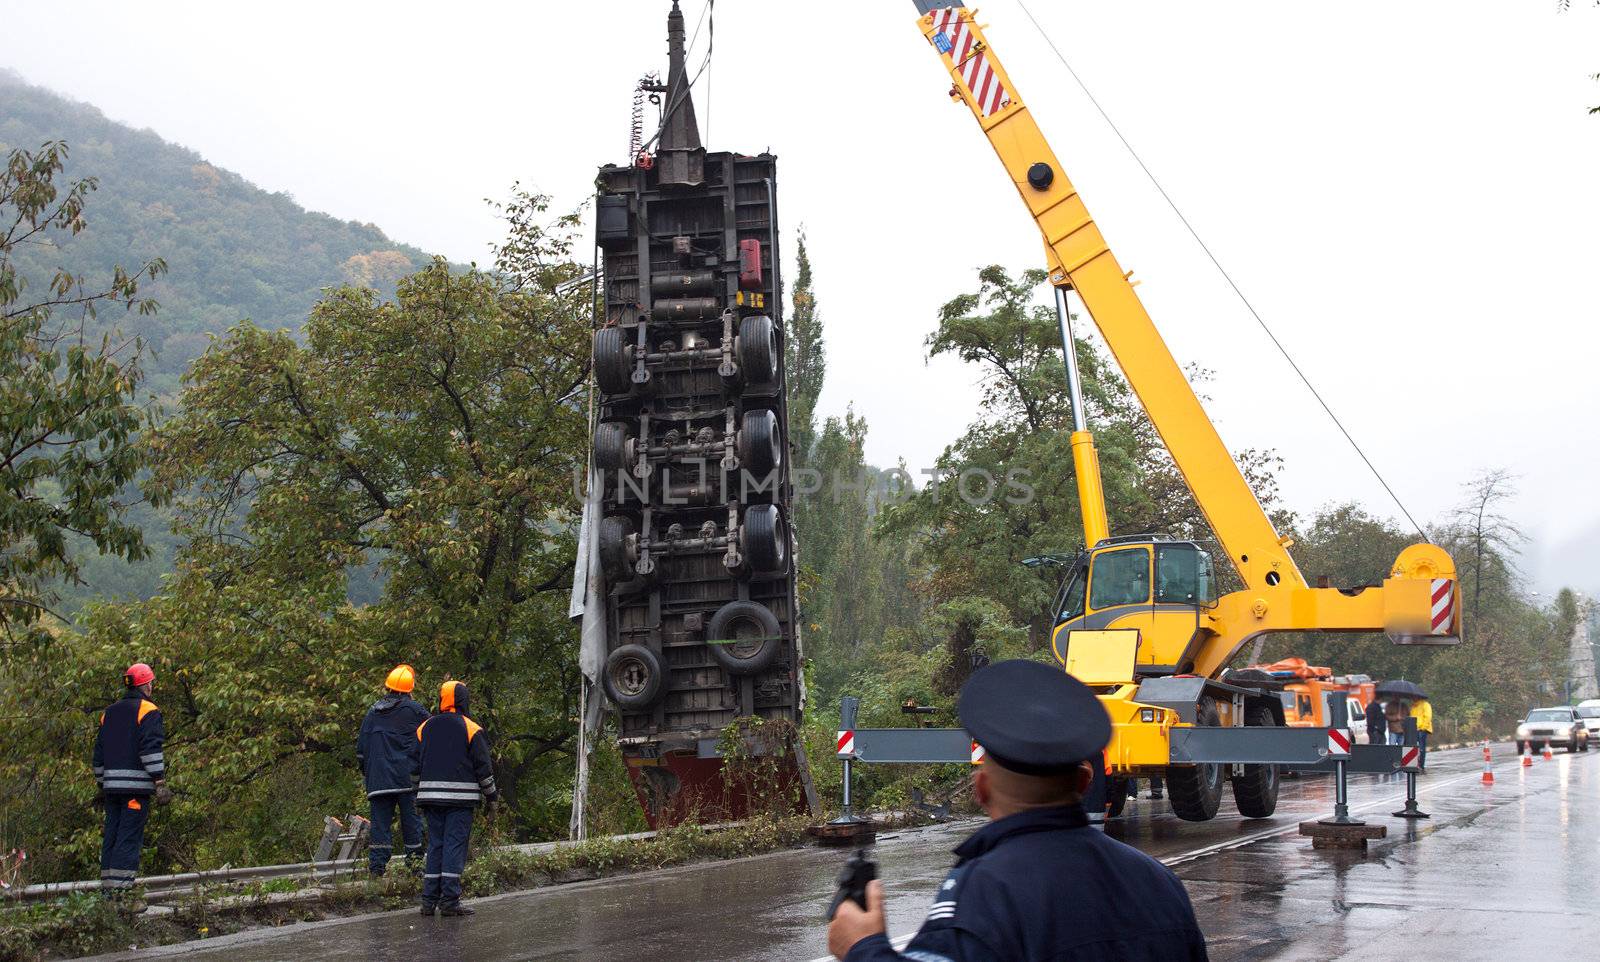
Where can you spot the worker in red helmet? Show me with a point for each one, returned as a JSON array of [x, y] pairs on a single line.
[[454, 775], [129, 769], [386, 750]]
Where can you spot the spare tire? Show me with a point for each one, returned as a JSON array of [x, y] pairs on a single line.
[[633, 677], [613, 368], [764, 538], [611, 445], [760, 443], [615, 552], [744, 637], [758, 349]]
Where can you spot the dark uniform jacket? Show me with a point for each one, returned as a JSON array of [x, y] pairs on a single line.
[[1043, 886], [387, 747], [128, 759], [453, 764]]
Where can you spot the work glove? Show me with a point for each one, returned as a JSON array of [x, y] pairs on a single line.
[[163, 793]]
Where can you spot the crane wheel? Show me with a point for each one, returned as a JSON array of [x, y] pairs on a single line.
[[1255, 789], [1196, 790]]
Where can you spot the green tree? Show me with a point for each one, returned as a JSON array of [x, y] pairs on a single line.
[[68, 415], [805, 358]]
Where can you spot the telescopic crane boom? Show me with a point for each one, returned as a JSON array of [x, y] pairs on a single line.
[[1136, 611]]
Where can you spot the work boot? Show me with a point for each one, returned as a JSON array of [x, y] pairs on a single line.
[[428, 908], [454, 908], [1156, 795], [377, 870]]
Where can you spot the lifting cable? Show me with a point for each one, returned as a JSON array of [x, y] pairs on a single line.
[[1221, 270]]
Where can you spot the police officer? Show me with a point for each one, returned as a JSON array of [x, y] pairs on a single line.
[[455, 775], [387, 750], [129, 768], [1036, 882]]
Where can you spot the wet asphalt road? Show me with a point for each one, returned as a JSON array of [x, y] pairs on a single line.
[[1498, 873]]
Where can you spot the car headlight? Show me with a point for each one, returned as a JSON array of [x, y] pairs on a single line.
[[1522, 731]]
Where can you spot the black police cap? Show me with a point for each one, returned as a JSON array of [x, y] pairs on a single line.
[[1033, 718]]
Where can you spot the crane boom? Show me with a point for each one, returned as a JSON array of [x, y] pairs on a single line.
[[1080, 259]]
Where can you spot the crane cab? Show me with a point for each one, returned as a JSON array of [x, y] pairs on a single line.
[[1158, 586]]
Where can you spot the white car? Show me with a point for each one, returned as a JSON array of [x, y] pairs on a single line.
[[1589, 714], [1553, 727]]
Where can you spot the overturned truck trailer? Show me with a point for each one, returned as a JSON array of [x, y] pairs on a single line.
[[690, 463]]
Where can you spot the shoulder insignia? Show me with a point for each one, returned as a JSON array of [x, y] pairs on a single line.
[[944, 902], [145, 708]]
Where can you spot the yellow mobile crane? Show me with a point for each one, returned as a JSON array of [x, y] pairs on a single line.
[[1138, 618]]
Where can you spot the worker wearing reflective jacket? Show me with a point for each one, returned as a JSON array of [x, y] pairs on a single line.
[[129, 769], [454, 775], [386, 750]]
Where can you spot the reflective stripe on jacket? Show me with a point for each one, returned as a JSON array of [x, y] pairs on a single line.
[[453, 767], [128, 756]]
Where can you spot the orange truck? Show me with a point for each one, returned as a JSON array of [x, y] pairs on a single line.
[[1309, 690]]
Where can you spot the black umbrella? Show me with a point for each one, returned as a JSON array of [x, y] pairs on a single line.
[[1400, 689]]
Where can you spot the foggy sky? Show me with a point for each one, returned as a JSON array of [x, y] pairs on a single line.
[[1407, 192]]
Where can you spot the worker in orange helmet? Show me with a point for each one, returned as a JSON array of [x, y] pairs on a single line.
[[129, 769], [454, 774], [386, 750]]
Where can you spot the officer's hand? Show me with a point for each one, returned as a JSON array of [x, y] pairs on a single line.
[[163, 794], [851, 923]]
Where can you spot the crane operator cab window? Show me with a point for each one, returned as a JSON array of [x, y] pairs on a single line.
[[1069, 601], [1120, 577], [1184, 576]]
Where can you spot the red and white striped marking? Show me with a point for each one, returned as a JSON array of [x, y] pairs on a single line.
[[846, 744], [1408, 757], [1444, 593], [1338, 742], [975, 68], [977, 753]]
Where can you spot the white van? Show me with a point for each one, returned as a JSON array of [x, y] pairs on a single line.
[[1589, 714]]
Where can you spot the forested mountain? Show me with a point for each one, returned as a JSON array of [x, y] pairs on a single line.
[[233, 250]]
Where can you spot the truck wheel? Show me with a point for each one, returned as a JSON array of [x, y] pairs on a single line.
[[765, 539], [1255, 788], [1116, 796], [1196, 790], [744, 637], [613, 368], [615, 557], [611, 445], [633, 677], [758, 349], [760, 446]]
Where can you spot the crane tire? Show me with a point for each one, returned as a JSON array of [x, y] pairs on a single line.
[[614, 561], [613, 368], [744, 637], [758, 349], [1196, 790], [760, 443], [633, 677], [764, 538], [611, 445], [1255, 788]]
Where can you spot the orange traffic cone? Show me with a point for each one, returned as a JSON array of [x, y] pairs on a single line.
[[1547, 755], [1486, 749], [1488, 766], [1527, 756]]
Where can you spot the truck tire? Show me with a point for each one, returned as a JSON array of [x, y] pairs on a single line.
[[614, 552], [765, 539], [633, 677], [1116, 796], [1255, 788], [744, 637], [758, 349], [760, 445], [1196, 790], [613, 368], [611, 445]]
